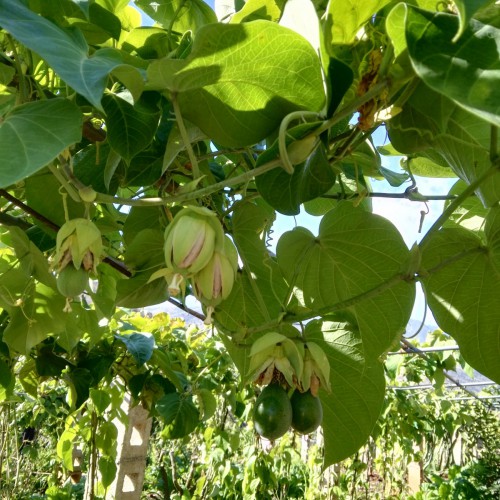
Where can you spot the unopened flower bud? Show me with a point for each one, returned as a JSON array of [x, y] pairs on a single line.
[[191, 239], [78, 241]]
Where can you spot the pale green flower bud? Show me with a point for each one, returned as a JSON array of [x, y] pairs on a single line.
[[191, 239], [78, 241], [214, 282]]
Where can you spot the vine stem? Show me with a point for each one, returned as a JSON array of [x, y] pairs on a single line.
[[339, 306], [469, 190], [185, 137], [295, 115], [240, 179]]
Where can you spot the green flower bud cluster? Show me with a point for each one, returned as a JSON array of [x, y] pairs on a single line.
[[197, 249], [304, 366], [78, 252]]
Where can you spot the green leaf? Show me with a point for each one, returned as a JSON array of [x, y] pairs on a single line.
[[463, 290], [395, 179], [253, 10], [39, 315], [424, 167], [432, 126], [65, 51], [179, 413], [285, 192], [140, 345], [137, 292], [65, 447], [107, 469], [101, 400], [32, 260], [207, 402], [471, 213], [358, 385], [145, 256], [346, 17], [355, 253], [89, 167], [43, 196], [130, 127], [179, 15], [79, 381], [106, 437], [246, 77], [140, 218], [466, 10], [466, 70], [56, 124], [176, 144], [258, 291], [7, 381], [49, 364]]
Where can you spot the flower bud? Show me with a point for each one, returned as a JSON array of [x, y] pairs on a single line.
[[215, 281], [78, 241], [191, 239]]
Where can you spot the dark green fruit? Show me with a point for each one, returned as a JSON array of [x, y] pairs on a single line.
[[272, 414], [71, 282], [307, 412]]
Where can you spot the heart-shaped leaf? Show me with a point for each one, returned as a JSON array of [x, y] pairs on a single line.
[[358, 386], [463, 290], [33, 134], [356, 263], [65, 51], [433, 126], [246, 77], [310, 179], [467, 69], [130, 127], [180, 414]]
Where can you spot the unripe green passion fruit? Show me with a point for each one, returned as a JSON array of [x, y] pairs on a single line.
[[272, 414], [71, 282], [307, 412]]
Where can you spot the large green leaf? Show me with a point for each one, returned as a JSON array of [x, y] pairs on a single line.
[[65, 51], [471, 213], [466, 70], [33, 134], [7, 381], [466, 10], [433, 126], [310, 179], [130, 127], [355, 253], [346, 17], [39, 315], [139, 345], [463, 290], [43, 195], [180, 414], [259, 289], [245, 77], [358, 384], [179, 15]]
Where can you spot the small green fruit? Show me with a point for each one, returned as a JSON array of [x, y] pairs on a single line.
[[71, 282], [307, 412], [272, 414]]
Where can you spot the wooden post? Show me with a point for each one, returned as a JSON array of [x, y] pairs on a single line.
[[132, 448]]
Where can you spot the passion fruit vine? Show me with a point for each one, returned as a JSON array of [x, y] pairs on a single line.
[[272, 414]]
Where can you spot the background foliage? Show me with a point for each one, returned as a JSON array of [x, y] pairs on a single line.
[[271, 111]]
